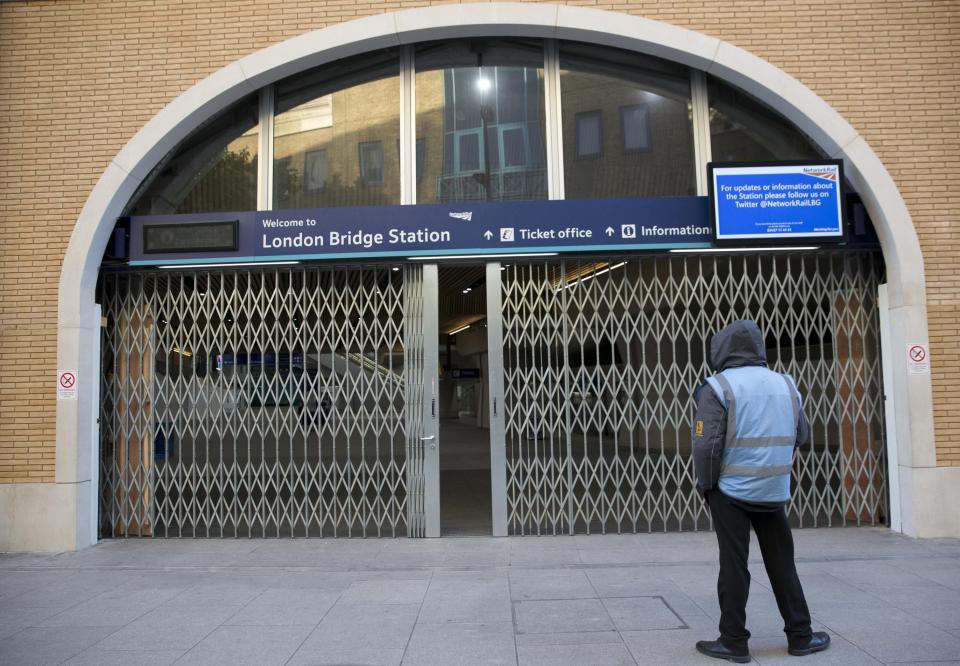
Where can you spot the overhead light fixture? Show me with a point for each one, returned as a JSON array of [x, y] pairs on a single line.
[[593, 275], [396, 268], [483, 256], [746, 249], [462, 328], [468, 290], [182, 352], [248, 264], [483, 84]]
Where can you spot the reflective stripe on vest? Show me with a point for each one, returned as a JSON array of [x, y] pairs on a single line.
[[763, 409]]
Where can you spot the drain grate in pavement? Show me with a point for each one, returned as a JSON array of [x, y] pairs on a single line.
[[557, 616]]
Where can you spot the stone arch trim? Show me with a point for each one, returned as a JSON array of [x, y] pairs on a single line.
[[901, 247]]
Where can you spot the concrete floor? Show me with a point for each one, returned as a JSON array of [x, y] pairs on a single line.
[[615, 599], [464, 479]]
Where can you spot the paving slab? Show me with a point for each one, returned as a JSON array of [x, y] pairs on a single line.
[[631, 581], [97, 657], [339, 656], [63, 593], [602, 654], [463, 644], [14, 618], [284, 606], [238, 645], [550, 584], [14, 583], [377, 626], [554, 616], [478, 597], [144, 635], [889, 634], [385, 591], [773, 651], [113, 608], [642, 614], [49, 645]]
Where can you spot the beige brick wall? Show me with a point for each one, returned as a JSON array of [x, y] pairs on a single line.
[[78, 79]]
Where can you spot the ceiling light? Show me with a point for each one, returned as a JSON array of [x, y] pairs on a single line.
[[248, 264], [462, 328], [593, 275], [482, 256], [748, 249]]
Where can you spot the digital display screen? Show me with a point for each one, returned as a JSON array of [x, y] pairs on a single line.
[[777, 202], [191, 237]]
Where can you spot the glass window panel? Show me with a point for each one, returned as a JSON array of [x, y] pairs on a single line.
[[469, 152], [514, 147], [421, 153], [634, 127], [329, 131], [212, 170], [588, 131], [371, 163], [480, 105], [744, 129], [646, 103], [315, 170]]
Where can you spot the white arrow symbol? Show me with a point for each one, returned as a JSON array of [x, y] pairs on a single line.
[[609, 231], [488, 235]]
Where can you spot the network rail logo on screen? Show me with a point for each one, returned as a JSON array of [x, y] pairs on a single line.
[[826, 174]]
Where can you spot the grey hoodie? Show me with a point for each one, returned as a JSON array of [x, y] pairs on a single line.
[[737, 345]]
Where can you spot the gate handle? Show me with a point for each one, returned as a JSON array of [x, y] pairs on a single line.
[[430, 439]]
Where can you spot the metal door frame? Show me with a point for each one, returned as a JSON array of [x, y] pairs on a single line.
[[430, 419], [498, 440]]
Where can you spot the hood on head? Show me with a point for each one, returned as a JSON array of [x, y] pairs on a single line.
[[737, 345]]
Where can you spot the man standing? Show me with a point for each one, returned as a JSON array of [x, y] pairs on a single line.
[[749, 420]]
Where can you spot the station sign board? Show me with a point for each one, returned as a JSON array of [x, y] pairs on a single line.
[[781, 202], [471, 228]]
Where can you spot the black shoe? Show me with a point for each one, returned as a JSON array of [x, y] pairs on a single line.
[[819, 641], [718, 650]]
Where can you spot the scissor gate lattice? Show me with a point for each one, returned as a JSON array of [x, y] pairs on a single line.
[[601, 359], [261, 403]]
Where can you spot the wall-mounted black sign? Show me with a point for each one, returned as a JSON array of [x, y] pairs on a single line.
[[192, 237]]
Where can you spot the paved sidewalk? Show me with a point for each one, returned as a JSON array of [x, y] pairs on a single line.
[[616, 599]]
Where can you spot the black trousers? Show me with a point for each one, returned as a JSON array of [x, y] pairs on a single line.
[[732, 522]]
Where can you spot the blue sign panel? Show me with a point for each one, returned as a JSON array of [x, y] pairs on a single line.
[[514, 227], [777, 202]]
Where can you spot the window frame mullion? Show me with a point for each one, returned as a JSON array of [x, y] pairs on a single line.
[[554, 124], [265, 149], [700, 112]]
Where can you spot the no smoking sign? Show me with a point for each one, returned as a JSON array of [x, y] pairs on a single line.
[[67, 385], [918, 358]]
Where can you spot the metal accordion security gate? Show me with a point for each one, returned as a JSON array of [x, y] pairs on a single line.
[[263, 402], [601, 359]]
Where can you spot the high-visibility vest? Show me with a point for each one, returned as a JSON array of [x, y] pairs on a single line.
[[763, 408]]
